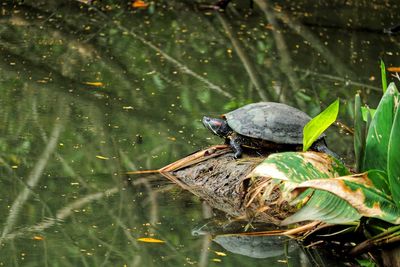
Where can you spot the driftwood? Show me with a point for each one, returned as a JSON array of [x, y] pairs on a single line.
[[215, 176]]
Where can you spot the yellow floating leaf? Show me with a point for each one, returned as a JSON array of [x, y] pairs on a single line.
[[139, 4], [150, 240], [277, 8], [171, 138], [97, 84], [216, 260], [101, 157], [393, 69], [38, 237], [219, 253], [269, 27]]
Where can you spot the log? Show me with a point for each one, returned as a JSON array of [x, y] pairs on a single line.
[[215, 176]]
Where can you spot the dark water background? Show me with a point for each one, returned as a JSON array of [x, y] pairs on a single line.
[[89, 92]]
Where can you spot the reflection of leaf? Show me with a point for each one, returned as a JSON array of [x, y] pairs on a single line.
[[38, 237], [96, 84], [220, 253], [101, 157], [150, 240], [315, 127]]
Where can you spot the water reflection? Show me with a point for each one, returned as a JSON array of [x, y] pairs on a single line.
[[92, 91], [260, 247]]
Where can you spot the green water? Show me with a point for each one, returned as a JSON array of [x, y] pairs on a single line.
[[91, 92]]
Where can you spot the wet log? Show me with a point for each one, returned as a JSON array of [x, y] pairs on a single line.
[[219, 179]]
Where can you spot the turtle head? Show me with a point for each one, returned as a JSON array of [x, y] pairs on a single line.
[[217, 126]]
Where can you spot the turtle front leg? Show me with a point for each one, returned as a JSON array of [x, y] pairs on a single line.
[[320, 146], [235, 145]]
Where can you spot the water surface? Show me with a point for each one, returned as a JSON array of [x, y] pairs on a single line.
[[92, 91]]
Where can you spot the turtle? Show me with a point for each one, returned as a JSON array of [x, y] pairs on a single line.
[[268, 125]]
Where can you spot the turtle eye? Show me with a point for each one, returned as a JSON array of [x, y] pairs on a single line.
[[206, 119]]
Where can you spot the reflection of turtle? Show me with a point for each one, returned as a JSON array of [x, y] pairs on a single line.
[[233, 238], [260, 247], [264, 125]]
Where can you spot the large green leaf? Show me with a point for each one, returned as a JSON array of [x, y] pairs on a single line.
[[298, 167], [379, 132], [381, 178], [327, 207], [359, 191], [393, 166], [315, 127], [294, 168]]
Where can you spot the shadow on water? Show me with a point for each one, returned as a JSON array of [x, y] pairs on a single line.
[[90, 91]]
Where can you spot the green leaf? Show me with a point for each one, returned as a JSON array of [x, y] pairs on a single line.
[[359, 134], [293, 168], [377, 142], [365, 111], [332, 195], [315, 127], [383, 75], [326, 207], [298, 167], [366, 262], [380, 178], [360, 192], [393, 166]]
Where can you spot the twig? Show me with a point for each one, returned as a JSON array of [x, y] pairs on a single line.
[[301, 229], [61, 214], [396, 76], [390, 236], [340, 79]]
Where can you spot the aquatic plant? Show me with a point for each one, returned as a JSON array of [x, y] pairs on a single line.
[[323, 187]]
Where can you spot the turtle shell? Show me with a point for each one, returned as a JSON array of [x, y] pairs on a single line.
[[275, 122]]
